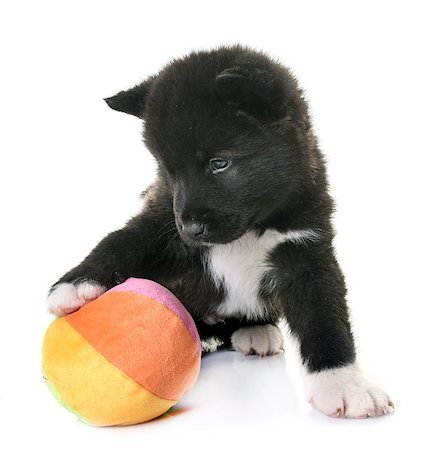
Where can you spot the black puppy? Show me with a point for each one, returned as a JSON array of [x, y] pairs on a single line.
[[238, 222]]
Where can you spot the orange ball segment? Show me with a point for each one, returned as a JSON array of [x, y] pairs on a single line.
[[124, 358]]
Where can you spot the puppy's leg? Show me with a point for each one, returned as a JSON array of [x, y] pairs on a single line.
[[312, 291], [147, 247]]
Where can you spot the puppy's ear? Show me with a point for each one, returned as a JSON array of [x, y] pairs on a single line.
[[132, 101], [256, 91]]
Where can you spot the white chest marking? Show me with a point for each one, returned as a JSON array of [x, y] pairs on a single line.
[[240, 266]]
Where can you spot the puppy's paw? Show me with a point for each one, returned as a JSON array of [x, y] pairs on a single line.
[[259, 340], [66, 298], [344, 392]]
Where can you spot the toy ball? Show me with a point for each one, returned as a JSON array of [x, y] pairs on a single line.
[[124, 358]]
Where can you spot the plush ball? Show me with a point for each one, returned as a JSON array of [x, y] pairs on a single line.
[[124, 358]]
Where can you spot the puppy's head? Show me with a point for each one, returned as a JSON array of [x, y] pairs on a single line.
[[224, 127]]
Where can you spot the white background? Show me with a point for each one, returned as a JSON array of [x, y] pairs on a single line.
[[71, 171]]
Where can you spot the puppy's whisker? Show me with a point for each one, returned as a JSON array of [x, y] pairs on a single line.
[[158, 236]]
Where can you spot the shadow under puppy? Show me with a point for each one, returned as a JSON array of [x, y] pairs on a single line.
[[238, 222]]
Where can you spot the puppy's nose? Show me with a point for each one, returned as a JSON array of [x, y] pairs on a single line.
[[194, 228]]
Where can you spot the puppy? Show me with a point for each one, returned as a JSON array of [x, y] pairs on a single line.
[[238, 222]]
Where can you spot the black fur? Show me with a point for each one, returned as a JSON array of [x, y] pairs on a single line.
[[238, 105]]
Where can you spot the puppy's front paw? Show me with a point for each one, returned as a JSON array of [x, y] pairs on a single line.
[[66, 298], [259, 340], [344, 392]]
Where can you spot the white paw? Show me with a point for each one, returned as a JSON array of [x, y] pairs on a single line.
[[259, 340], [344, 392], [68, 297]]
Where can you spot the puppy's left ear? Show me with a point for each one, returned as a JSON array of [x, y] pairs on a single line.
[[132, 101], [258, 92]]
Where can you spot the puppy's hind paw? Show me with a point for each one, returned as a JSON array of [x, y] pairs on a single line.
[[66, 298], [262, 340]]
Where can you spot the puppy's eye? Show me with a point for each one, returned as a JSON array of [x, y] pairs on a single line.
[[218, 164]]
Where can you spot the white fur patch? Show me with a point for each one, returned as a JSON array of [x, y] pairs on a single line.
[[345, 392], [211, 344], [259, 340], [68, 297], [240, 266]]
